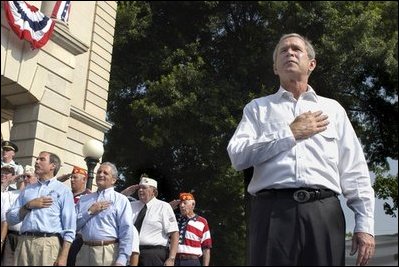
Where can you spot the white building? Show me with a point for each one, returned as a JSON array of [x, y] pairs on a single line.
[[55, 98]]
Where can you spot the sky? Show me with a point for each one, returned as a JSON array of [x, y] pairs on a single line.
[[384, 224]]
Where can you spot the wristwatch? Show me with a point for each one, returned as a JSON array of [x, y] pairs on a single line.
[[27, 207], [89, 212]]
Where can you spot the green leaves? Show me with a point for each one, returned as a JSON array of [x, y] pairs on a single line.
[[183, 71]]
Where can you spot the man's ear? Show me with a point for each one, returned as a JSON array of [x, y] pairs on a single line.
[[275, 69], [312, 65]]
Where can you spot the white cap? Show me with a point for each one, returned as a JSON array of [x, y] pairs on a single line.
[[29, 169], [148, 181]]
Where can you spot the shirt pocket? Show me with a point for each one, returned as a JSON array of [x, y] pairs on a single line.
[[328, 141], [108, 213], [271, 128]]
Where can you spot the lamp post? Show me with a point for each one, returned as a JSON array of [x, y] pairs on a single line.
[[93, 150]]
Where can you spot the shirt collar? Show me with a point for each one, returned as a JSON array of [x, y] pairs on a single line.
[[47, 182], [151, 202], [310, 94], [106, 191]]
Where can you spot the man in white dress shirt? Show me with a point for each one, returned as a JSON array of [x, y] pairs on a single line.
[[159, 232], [304, 152], [10, 234]]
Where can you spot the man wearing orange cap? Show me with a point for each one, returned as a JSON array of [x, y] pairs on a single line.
[[78, 183], [195, 238], [78, 186]]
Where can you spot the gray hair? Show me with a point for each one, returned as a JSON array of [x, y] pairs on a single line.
[[114, 171], [309, 47]]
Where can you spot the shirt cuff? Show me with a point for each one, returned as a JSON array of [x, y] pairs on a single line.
[[122, 259]]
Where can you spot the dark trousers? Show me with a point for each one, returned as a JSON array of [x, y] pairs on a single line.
[[287, 233], [189, 262], [153, 256], [74, 250]]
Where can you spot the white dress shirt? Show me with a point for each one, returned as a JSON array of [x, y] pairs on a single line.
[[158, 223], [332, 159], [7, 200]]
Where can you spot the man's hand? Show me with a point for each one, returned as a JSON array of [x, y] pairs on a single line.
[[99, 206], [40, 202], [130, 190], [174, 203], [365, 245], [64, 177], [309, 124]]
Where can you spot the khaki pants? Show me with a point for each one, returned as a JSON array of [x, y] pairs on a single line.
[[37, 251], [97, 255]]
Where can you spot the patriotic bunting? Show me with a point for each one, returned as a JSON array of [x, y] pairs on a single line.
[[31, 24], [61, 10]]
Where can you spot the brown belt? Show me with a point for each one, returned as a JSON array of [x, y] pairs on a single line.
[[100, 243], [186, 257]]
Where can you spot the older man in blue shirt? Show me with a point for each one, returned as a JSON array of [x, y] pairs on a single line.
[[105, 222], [47, 212]]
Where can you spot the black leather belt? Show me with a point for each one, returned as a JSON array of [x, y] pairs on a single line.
[[152, 247], [40, 234], [300, 195], [12, 232], [187, 257]]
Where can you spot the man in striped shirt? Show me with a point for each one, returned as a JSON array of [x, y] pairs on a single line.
[[194, 235]]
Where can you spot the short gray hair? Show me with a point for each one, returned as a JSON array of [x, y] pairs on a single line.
[[114, 170], [309, 47]]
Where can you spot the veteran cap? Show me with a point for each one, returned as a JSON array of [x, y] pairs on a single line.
[[29, 169], [9, 145], [79, 170], [186, 196], [148, 181]]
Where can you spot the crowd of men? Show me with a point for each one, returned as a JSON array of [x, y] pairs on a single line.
[[45, 222]]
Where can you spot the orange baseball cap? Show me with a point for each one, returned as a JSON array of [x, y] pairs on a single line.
[[79, 170], [186, 196]]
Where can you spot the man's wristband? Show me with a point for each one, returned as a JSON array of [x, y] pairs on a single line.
[[172, 258]]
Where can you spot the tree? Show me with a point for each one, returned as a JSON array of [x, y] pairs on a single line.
[[183, 71], [386, 186]]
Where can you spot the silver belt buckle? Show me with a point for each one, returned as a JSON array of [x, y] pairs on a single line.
[[301, 196]]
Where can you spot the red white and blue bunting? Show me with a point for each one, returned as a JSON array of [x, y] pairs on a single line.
[[31, 24], [61, 10]]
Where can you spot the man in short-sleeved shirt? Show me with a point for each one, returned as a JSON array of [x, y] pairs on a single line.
[[158, 226]]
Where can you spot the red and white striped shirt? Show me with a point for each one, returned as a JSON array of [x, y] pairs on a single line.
[[194, 235]]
